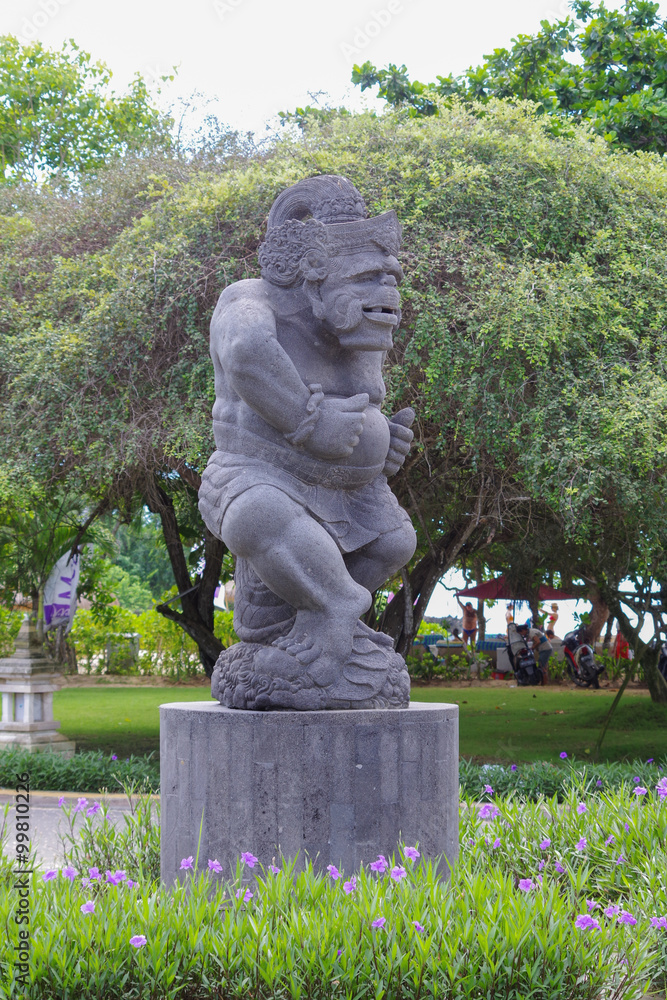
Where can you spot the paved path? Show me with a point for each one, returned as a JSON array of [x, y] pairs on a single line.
[[48, 822]]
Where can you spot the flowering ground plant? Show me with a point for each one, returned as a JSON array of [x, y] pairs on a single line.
[[524, 912]]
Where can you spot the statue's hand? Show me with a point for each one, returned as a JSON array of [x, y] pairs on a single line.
[[338, 428], [400, 438]]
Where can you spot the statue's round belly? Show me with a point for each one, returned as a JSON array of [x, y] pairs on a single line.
[[373, 442]]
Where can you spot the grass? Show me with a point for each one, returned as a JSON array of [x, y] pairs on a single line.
[[546, 902], [498, 725]]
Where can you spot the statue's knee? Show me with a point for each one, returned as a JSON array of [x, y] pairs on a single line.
[[254, 517], [402, 543]]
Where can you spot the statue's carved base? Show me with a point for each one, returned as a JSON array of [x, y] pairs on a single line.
[[253, 676]]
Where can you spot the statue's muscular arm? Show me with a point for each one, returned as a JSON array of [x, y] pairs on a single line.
[[244, 341]]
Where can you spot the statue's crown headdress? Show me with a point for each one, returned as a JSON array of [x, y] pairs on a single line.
[[326, 214]]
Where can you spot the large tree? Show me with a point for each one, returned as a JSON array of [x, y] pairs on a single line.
[[532, 346], [607, 68]]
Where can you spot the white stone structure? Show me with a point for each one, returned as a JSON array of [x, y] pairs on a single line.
[[28, 679]]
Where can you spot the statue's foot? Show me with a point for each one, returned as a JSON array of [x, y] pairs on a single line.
[[372, 675]]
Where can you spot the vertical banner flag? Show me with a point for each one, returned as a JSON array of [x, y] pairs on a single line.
[[60, 592]]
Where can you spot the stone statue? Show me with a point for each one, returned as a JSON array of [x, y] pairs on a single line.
[[297, 488]]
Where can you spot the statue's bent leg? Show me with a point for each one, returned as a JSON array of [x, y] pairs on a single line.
[[376, 562], [299, 561]]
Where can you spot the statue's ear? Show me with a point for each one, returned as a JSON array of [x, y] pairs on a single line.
[[314, 266]]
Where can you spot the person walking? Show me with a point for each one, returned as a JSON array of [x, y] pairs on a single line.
[[469, 623]]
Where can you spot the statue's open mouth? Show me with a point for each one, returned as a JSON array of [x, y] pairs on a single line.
[[381, 314]]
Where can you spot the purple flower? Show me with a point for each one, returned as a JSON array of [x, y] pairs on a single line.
[[488, 811], [412, 853], [85, 881], [244, 894], [397, 873], [114, 756], [591, 904], [214, 866], [50, 874], [88, 907], [563, 755], [585, 922], [541, 866], [380, 866], [274, 870], [496, 843], [380, 922], [609, 840], [61, 800], [420, 930], [598, 783], [636, 779], [333, 872], [612, 910], [619, 860], [545, 844], [513, 767], [94, 874], [660, 922], [640, 790], [526, 884], [661, 788], [248, 859], [95, 808], [187, 863], [581, 844], [111, 878], [138, 941], [626, 918], [120, 875], [70, 873], [350, 886], [559, 868], [650, 760], [81, 805], [582, 808], [627, 827], [130, 884], [488, 790]]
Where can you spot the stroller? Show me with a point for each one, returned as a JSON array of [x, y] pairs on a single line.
[[522, 658]]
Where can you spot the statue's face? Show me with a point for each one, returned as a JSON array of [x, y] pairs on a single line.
[[360, 304]]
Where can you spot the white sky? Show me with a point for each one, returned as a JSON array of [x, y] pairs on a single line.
[[258, 57]]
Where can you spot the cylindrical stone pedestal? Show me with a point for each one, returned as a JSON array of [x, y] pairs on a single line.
[[339, 787]]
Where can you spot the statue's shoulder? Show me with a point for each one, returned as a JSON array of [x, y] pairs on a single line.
[[246, 290]]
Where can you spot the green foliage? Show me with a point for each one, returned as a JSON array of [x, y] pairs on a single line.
[[617, 83], [10, 623], [85, 772], [528, 782], [144, 643], [302, 935], [142, 554], [95, 841], [58, 118]]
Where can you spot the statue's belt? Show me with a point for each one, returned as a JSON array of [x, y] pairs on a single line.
[[238, 441]]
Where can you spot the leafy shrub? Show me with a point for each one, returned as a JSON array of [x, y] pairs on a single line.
[[10, 623], [160, 646], [510, 923], [88, 771]]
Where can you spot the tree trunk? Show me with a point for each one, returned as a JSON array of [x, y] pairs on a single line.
[[599, 616], [481, 621], [196, 616], [656, 683], [606, 643]]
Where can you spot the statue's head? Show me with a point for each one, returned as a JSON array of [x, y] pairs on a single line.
[[319, 238]]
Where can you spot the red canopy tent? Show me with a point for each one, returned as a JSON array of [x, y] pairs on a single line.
[[500, 590]]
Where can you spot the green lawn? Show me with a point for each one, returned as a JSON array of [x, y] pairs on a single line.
[[497, 724]]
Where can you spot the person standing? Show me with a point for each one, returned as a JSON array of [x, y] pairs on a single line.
[[469, 623], [509, 614]]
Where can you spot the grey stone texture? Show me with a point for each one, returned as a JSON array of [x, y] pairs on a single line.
[[28, 679], [297, 487], [338, 787]]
